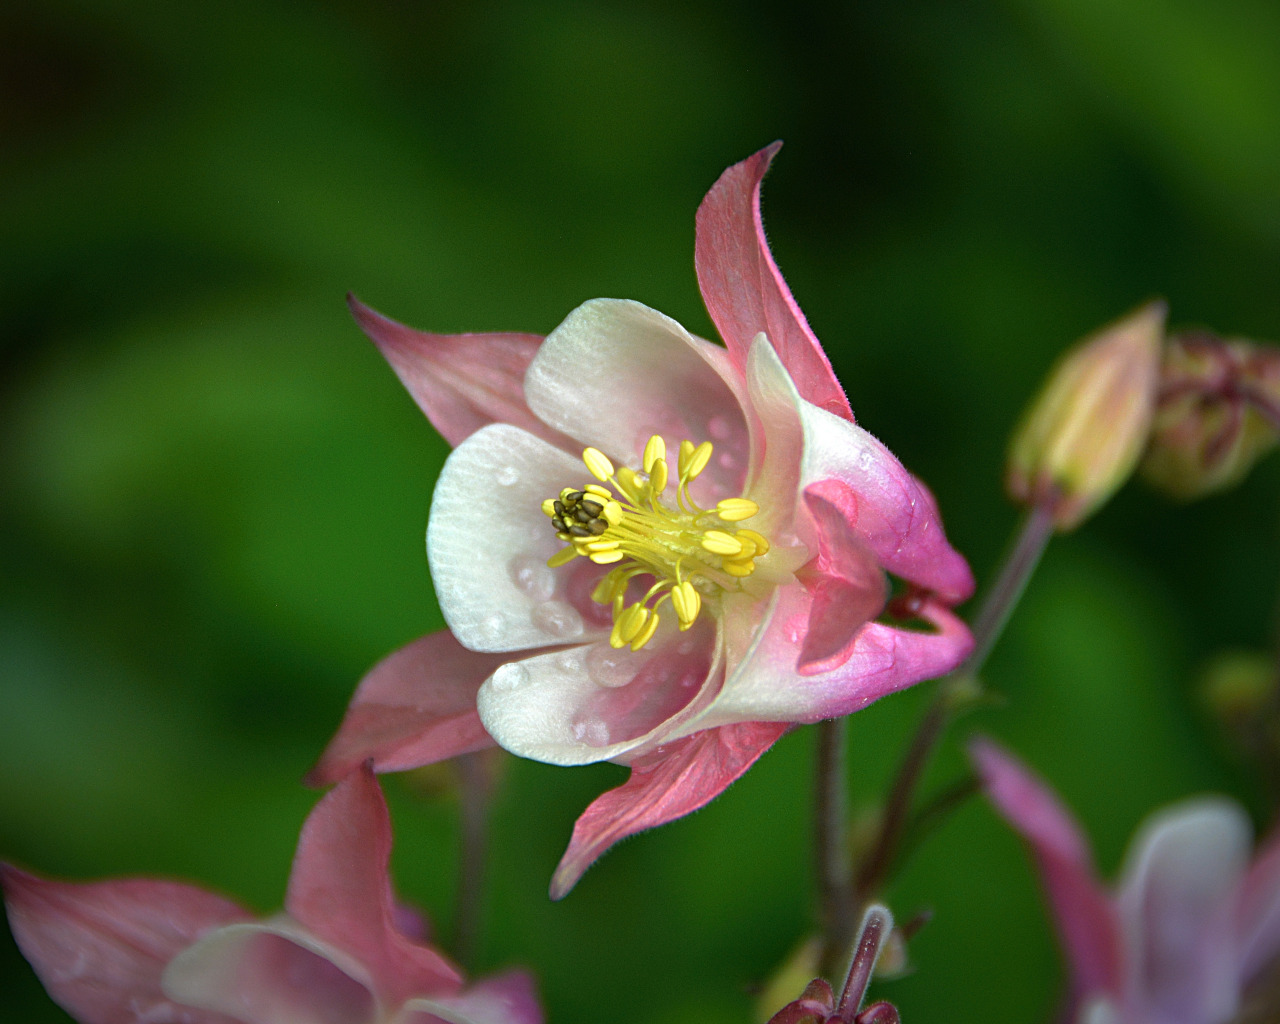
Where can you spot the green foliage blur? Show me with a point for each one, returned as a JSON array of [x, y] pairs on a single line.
[[213, 491]]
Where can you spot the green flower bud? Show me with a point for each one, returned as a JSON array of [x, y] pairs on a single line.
[[1082, 436]]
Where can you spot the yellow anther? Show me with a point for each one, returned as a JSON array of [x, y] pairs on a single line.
[[720, 543], [631, 622], [646, 632], [682, 463], [734, 510], [563, 557], [597, 463], [625, 521], [630, 483], [658, 476], [603, 591], [687, 602], [697, 461], [654, 449]]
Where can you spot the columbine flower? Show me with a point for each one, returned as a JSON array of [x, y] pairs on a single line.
[[1191, 926], [653, 550], [340, 953]]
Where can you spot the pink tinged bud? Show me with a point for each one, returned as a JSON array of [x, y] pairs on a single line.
[[1217, 414], [1081, 438]]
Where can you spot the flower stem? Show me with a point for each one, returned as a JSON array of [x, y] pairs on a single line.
[[473, 842], [998, 604], [835, 907], [876, 924]]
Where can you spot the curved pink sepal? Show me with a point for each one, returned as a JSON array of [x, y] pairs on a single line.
[[100, 947], [845, 581], [415, 707], [896, 516], [1088, 926], [461, 381], [744, 291], [339, 891], [883, 659], [668, 784]]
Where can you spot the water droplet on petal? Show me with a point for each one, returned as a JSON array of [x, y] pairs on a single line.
[[864, 459], [532, 577], [510, 676], [558, 618], [507, 476], [727, 460], [610, 668], [493, 628], [592, 731]]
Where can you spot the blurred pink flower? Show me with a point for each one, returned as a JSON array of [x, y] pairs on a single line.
[[732, 481], [341, 952], [1191, 924]]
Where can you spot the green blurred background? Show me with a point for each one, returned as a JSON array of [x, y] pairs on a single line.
[[213, 491]]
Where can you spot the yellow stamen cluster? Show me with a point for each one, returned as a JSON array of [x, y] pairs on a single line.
[[690, 552]]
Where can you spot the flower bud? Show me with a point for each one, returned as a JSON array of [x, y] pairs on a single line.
[[1216, 414], [1082, 436]]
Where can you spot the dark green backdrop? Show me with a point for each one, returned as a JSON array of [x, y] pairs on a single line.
[[213, 492]]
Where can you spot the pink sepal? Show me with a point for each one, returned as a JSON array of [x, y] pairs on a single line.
[[415, 707], [897, 518], [461, 381], [673, 781], [846, 583], [884, 659], [340, 892], [881, 659], [509, 998], [100, 947], [744, 290], [1087, 923]]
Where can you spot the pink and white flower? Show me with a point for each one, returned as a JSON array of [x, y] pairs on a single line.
[[1192, 924], [654, 550], [341, 952]]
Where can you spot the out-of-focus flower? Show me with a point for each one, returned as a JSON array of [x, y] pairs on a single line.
[[1218, 413], [1192, 926], [1082, 436], [653, 550], [341, 952]]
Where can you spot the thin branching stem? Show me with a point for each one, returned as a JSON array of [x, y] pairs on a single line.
[[1024, 554], [835, 907]]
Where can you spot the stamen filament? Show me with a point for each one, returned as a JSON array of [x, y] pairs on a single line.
[[691, 553]]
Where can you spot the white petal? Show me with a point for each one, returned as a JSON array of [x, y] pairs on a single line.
[[1175, 902], [488, 542], [594, 703], [616, 372]]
